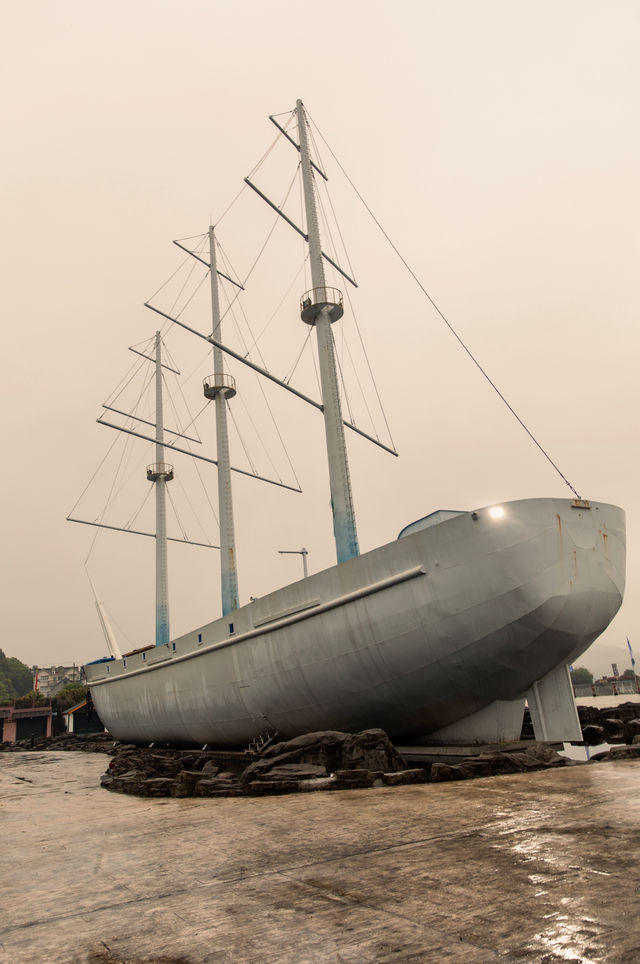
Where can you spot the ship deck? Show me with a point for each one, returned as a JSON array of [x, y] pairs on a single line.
[[529, 867]]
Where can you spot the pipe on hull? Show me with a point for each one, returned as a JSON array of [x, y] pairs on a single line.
[[481, 607]]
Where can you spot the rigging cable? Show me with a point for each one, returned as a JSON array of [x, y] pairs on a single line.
[[199, 523], [171, 396], [341, 375], [447, 322], [287, 378], [171, 400], [126, 379], [359, 384], [247, 351], [345, 343], [266, 242], [171, 276], [139, 509], [102, 516], [230, 310], [186, 282], [242, 442], [373, 381], [178, 519]]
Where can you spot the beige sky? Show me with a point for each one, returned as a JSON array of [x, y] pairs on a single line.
[[498, 143]]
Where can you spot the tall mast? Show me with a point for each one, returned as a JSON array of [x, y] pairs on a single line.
[[320, 307], [220, 387], [160, 473]]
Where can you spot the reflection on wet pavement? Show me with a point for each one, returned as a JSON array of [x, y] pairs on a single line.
[[531, 867]]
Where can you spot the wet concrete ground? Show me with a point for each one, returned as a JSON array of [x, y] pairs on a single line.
[[531, 867]]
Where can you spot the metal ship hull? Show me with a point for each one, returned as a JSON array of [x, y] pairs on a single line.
[[459, 615]]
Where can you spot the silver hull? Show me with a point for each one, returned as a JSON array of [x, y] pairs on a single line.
[[413, 637]]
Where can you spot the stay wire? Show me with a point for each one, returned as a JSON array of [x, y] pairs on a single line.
[[186, 281], [257, 338], [254, 169], [126, 380], [178, 519], [231, 302], [171, 276], [242, 441], [370, 370], [344, 387], [342, 241], [345, 342], [287, 378], [448, 323], [230, 205], [139, 509], [347, 349], [171, 399], [264, 245]]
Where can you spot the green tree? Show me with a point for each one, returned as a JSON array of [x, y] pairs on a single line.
[[71, 695], [34, 698], [20, 675], [582, 675], [15, 676], [628, 674], [5, 695]]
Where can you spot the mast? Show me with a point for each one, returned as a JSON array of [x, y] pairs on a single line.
[[160, 473], [320, 307], [220, 387]]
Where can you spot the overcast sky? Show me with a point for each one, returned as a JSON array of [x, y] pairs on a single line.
[[499, 145]]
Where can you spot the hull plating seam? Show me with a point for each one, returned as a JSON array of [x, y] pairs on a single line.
[[271, 627]]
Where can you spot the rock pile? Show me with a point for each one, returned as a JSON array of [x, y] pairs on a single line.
[[618, 724], [91, 743], [538, 756], [327, 760]]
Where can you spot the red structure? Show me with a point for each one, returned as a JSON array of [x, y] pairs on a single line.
[[24, 722]]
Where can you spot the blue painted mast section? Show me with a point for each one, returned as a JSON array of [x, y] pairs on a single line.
[[321, 307], [219, 387], [160, 473]]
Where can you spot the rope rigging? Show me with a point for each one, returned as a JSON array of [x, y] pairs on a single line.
[[444, 318]]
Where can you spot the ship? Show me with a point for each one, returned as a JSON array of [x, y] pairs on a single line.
[[440, 637]]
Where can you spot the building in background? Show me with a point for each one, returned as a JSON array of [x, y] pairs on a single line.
[[20, 723], [82, 719], [50, 680]]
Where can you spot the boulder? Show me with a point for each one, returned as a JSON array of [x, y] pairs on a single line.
[[613, 730], [353, 779], [624, 752], [593, 734], [307, 741], [265, 787], [217, 788], [184, 783], [295, 771], [210, 769], [441, 772], [371, 750], [156, 787], [405, 777], [631, 730]]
